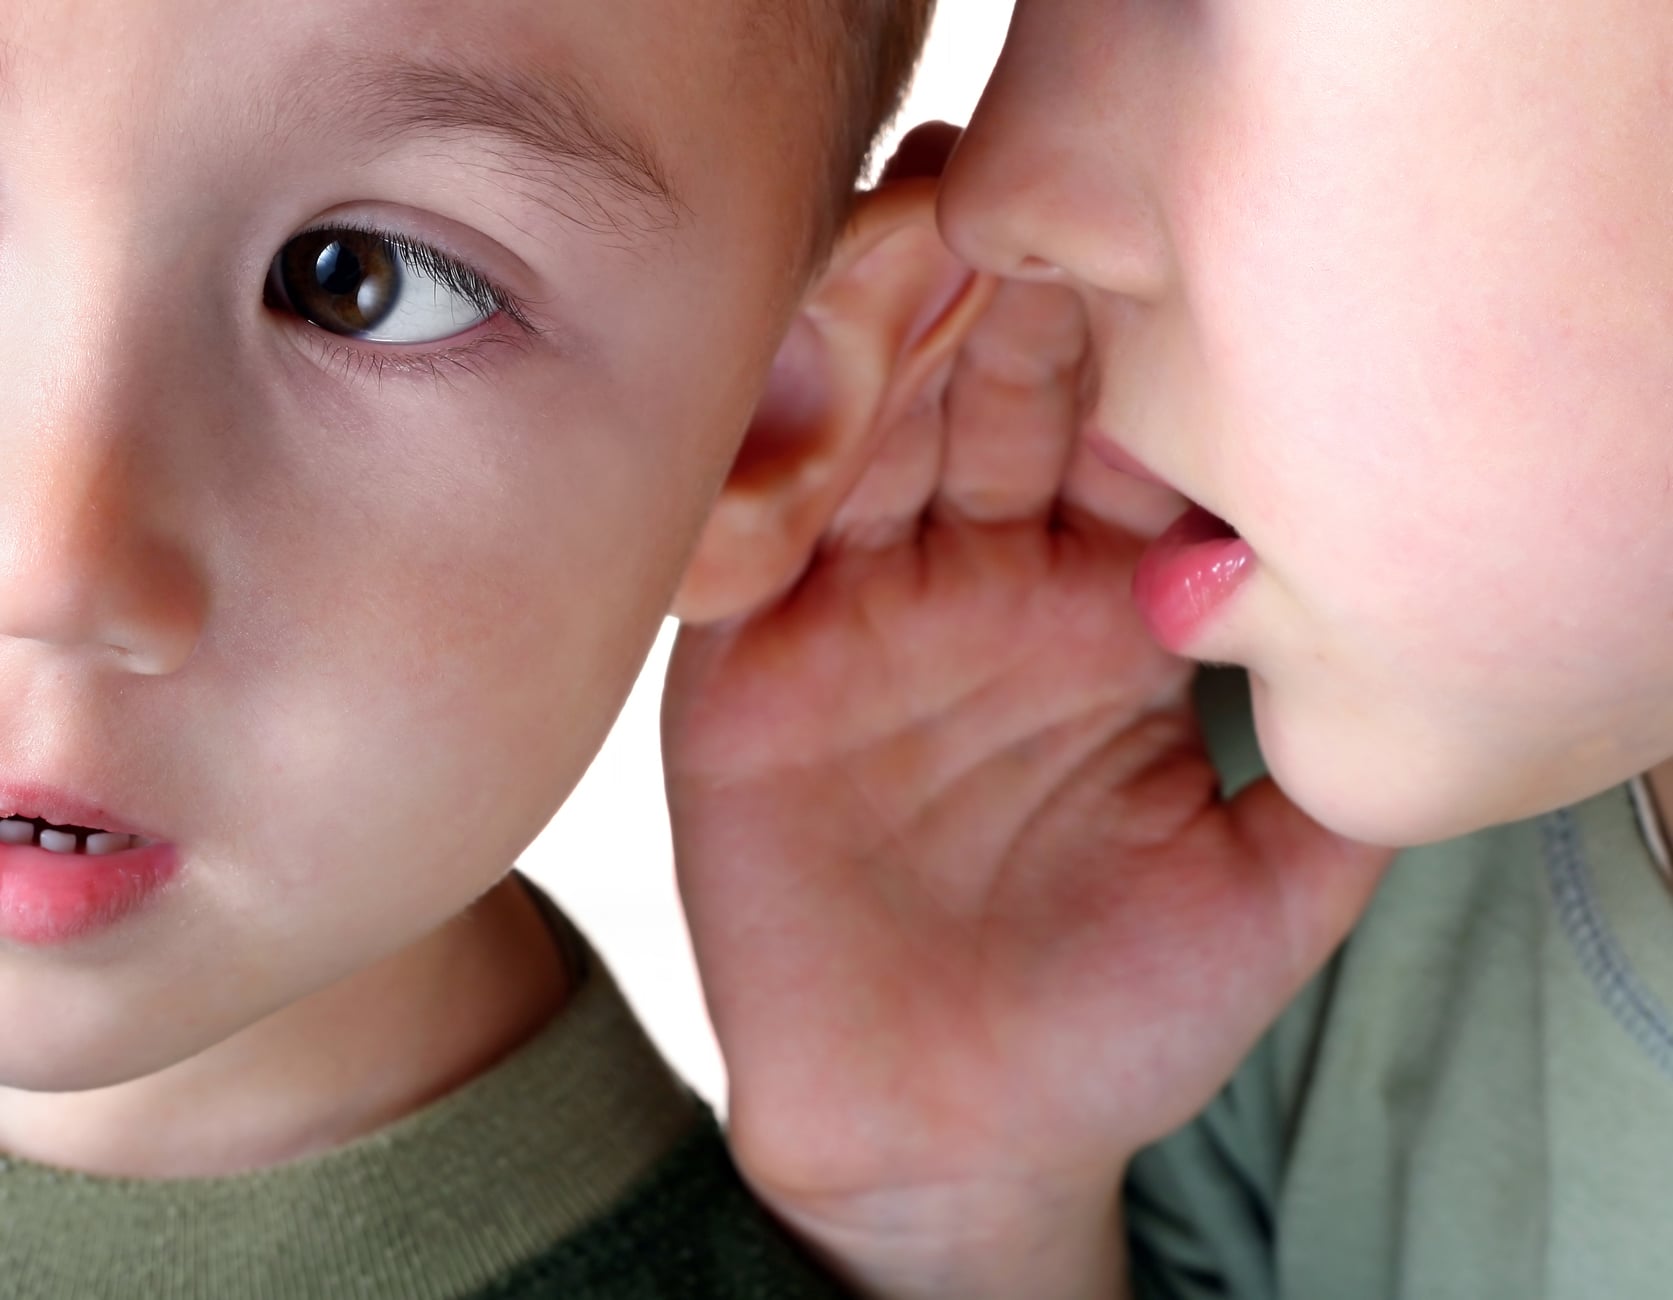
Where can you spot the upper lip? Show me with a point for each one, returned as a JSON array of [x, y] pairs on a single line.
[[1119, 458], [25, 799]]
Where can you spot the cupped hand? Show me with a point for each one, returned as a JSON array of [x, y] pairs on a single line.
[[973, 920]]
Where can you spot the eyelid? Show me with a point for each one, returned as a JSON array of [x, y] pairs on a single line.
[[456, 273], [466, 354], [378, 360]]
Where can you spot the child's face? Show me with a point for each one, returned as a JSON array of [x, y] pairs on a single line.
[[1390, 288], [340, 610]]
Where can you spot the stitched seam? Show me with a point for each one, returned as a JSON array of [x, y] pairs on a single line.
[[1633, 1006]]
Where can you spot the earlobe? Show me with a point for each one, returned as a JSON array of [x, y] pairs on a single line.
[[878, 328]]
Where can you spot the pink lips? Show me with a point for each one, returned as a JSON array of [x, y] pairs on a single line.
[[1187, 574], [48, 899]]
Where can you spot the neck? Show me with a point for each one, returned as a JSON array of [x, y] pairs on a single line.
[[332, 1068]]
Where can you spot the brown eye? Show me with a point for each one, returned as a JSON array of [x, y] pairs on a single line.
[[378, 288], [341, 280]]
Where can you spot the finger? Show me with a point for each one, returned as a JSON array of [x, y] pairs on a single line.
[[1321, 882], [1013, 406], [887, 505]]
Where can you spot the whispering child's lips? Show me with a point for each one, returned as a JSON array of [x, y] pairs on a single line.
[[1187, 575]]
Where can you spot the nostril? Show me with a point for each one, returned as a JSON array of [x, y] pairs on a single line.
[[1037, 268], [140, 605]]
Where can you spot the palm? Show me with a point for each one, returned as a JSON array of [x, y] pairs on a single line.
[[962, 888]]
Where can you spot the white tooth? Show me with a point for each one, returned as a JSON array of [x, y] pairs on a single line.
[[15, 831], [108, 842], [58, 841]]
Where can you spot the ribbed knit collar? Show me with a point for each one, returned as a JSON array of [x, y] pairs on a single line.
[[433, 1207]]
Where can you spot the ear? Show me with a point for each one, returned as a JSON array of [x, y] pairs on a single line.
[[879, 328]]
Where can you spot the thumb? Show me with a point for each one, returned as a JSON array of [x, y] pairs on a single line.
[[1321, 882]]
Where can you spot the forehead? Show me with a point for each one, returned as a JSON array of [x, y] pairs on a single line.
[[669, 108], [639, 92], [179, 34]]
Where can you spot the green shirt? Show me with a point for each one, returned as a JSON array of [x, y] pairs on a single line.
[[578, 1168], [1474, 1100]]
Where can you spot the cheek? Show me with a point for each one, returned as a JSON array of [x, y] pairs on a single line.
[[1437, 331], [1430, 306], [446, 644], [1462, 503], [434, 611]]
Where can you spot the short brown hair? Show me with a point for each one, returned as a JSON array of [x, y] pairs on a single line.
[[883, 41], [852, 61]]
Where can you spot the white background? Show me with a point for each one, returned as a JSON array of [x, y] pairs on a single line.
[[606, 856]]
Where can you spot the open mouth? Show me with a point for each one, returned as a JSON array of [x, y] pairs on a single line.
[[88, 841], [1199, 524], [1215, 528], [1187, 574]]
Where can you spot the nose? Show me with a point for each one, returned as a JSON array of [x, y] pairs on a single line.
[[1052, 179], [87, 564]]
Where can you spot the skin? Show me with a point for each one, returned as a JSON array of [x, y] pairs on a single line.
[[345, 636], [973, 919], [1386, 287]]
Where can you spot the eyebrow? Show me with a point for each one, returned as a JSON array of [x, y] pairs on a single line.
[[550, 132]]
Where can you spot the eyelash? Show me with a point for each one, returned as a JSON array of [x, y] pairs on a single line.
[[357, 359], [362, 361]]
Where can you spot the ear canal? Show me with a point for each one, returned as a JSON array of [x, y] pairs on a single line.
[[891, 309]]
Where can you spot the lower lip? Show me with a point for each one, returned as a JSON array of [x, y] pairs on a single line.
[[49, 899], [1187, 575]]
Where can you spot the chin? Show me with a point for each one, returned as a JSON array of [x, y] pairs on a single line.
[[49, 1047], [61, 1069], [1377, 784], [1401, 822]]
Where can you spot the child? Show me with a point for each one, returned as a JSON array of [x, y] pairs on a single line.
[[369, 371], [1384, 289]]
